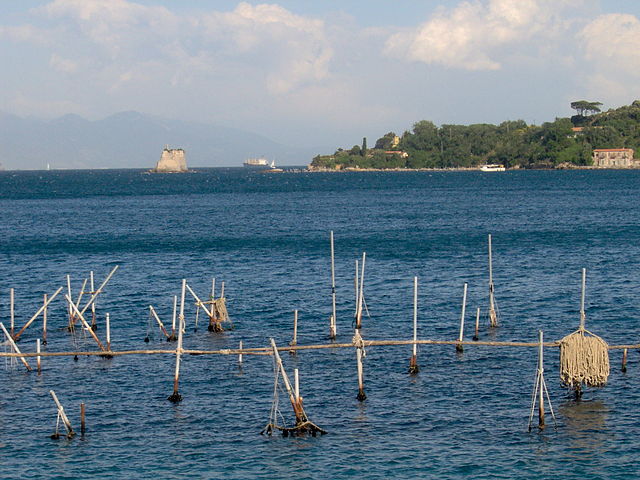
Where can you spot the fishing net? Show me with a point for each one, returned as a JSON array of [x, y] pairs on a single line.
[[584, 360]]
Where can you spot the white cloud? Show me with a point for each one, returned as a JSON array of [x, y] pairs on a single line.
[[62, 64], [612, 70], [470, 35]]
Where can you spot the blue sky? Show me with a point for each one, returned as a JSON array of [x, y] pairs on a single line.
[[319, 72]]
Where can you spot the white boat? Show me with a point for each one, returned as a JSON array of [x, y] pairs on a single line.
[[492, 167], [257, 163]]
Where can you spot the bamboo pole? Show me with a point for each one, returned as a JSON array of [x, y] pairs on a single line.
[[77, 304], [582, 295], [40, 310], [624, 360], [493, 317], [296, 379], [94, 325], [213, 288], [175, 397], [62, 415], [108, 327], [39, 366], [221, 289], [413, 363], [297, 407], [240, 354], [199, 302], [361, 294], [155, 316], [361, 395], [294, 341], [44, 322], [97, 292], [459, 346], [86, 325], [173, 337], [332, 321], [356, 285], [12, 310], [475, 336], [15, 347], [71, 321]]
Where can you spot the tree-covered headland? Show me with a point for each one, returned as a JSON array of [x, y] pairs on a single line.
[[564, 142]]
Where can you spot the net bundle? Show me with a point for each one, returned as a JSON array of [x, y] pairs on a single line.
[[584, 360]]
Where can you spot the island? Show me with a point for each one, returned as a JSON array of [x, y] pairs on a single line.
[[172, 160]]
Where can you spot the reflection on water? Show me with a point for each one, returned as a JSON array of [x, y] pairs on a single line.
[[586, 427]]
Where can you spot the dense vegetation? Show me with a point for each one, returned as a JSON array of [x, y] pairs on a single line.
[[512, 143]]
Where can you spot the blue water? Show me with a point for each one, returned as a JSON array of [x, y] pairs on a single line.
[[267, 237]]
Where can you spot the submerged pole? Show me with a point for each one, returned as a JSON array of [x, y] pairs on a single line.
[[332, 322], [82, 420], [413, 363], [459, 347]]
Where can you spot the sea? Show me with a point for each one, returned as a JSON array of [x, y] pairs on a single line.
[[267, 237]]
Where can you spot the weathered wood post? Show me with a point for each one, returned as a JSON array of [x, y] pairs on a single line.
[[44, 322], [62, 416], [475, 336], [175, 397], [333, 332], [413, 363], [360, 354], [240, 354], [83, 428], [624, 360], [294, 341], [459, 347]]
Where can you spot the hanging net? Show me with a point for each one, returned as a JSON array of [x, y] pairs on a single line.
[[584, 360]]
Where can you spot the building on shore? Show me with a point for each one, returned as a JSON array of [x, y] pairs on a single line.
[[172, 160], [614, 158]]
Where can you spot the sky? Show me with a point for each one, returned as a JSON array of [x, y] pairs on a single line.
[[318, 72]]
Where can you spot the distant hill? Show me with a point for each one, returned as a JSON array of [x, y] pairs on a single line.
[[131, 140]]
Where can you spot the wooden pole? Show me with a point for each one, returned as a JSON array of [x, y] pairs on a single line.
[[413, 363], [294, 341], [361, 294], [541, 387], [240, 354], [71, 322], [200, 304], [213, 288], [155, 316], [459, 346], [175, 397], [14, 346], [12, 309], [332, 322], [63, 416], [83, 428], [108, 326], [584, 288], [624, 360], [222, 290], [493, 316], [296, 379], [38, 357], [476, 337], [95, 294], [80, 295], [40, 310], [356, 284], [94, 325], [173, 319], [44, 321], [86, 325], [297, 407], [361, 395]]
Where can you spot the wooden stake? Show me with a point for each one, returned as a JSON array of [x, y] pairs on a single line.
[[332, 321], [94, 325], [459, 346], [240, 354], [297, 406], [62, 415], [413, 363], [14, 346], [12, 309], [173, 337], [541, 393], [540, 389], [294, 342], [475, 336], [360, 295], [71, 320], [584, 288], [357, 285], [361, 395], [222, 290], [95, 294], [624, 360], [296, 380], [82, 420], [44, 321], [155, 316], [38, 357], [40, 310]]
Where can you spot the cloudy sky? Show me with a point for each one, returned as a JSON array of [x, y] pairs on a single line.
[[313, 72]]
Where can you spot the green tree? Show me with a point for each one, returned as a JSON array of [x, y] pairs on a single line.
[[363, 152]]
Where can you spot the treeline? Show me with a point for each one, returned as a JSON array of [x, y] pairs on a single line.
[[512, 143]]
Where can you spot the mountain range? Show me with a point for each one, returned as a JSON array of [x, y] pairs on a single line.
[[132, 140]]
